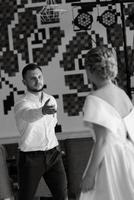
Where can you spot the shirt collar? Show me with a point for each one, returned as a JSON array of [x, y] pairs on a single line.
[[32, 96]]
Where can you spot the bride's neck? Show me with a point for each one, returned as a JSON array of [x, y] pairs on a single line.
[[102, 84]]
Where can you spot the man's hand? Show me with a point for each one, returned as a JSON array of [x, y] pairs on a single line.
[[48, 109]]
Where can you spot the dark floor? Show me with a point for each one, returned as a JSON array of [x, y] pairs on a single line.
[[77, 152], [48, 198]]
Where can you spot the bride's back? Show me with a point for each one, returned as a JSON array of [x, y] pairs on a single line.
[[101, 67], [116, 97]]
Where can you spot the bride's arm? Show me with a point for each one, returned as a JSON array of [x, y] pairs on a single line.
[[97, 157]]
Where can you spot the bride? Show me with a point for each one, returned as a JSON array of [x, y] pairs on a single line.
[[109, 174]]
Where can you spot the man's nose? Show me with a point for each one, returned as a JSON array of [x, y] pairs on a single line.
[[37, 80]]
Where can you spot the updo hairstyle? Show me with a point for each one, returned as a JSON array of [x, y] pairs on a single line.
[[101, 61]]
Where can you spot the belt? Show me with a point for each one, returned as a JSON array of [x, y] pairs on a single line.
[[39, 152]]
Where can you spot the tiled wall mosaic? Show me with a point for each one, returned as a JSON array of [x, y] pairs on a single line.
[[59, 50]]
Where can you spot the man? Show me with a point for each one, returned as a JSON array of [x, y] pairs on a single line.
[[39, 154]]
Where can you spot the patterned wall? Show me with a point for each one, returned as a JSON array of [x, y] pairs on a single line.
[[59, 49]]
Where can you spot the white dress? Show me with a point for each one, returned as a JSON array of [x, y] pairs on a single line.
[[115, 176]]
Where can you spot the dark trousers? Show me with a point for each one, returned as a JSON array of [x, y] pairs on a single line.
[[33, 165]]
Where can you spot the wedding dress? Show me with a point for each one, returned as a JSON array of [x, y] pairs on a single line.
[[115, 176]]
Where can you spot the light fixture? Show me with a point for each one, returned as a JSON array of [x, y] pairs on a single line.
[[108, 18], [83, 20], [50, 13]]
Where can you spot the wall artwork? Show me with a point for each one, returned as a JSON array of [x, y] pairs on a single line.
[[59, 50]]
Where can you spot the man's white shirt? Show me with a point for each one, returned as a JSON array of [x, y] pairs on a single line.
[[37, 131]]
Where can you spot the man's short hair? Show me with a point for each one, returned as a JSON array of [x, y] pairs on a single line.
[[28, 67]]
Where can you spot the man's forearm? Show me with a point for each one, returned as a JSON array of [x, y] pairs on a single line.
[[30, 115]]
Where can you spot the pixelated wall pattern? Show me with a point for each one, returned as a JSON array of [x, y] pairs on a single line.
[[50, 48], [60, 51], [72, 1]]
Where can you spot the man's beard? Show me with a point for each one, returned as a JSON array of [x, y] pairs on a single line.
[[36, 90]]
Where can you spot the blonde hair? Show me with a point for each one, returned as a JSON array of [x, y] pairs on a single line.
[[101, 60]]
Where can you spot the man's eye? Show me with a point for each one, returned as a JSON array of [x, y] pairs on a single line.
[[33, 79]]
